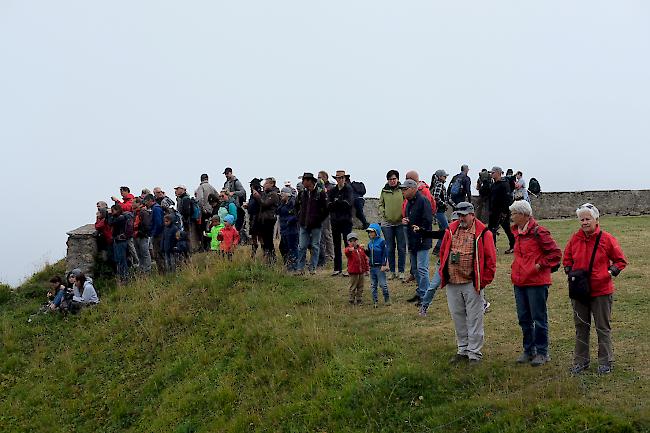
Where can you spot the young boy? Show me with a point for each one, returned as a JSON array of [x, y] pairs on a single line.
[[357, 267], [378, 255], [228, 236], [168, 242], [213, 234]]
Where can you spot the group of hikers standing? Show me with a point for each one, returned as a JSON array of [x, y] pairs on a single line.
[[316, 217]]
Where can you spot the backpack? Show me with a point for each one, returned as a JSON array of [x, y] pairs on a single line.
[[128, 226], [533, 186], [486, 185], [196, 210], [359, 188], [456, 188]]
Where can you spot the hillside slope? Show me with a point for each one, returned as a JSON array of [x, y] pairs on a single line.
[[243, 347]]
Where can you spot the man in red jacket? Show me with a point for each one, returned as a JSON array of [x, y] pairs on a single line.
[[127, 199], [467, 266]]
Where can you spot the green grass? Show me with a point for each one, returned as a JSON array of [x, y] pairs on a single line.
[[240, 347]]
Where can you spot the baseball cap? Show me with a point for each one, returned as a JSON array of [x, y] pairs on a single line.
[[181, 186], [352, 235], [227, 170], [409, 183], [441, 173], [495, 169], [464, 208]]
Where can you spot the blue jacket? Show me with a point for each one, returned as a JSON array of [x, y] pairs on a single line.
[[168, 241], [288, 218], [377, 251], [156, 220], [418, 211]]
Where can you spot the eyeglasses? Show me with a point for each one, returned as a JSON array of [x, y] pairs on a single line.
[[392, 178]]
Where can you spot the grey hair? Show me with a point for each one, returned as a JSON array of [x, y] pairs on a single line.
[[522, 207], [588, 207]]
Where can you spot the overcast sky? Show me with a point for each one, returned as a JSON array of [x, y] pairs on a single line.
[[94, 95]]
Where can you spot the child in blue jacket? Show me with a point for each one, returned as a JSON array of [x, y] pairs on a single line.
[[378, 256]]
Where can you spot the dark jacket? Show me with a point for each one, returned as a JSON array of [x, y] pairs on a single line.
[[340, 203], [418, 211], [185, 208], [268, 201], [312, 208], [237, 188], [288, 217], [156, 220], [118, 224], [500, 197], [168, 241], [142, 224]]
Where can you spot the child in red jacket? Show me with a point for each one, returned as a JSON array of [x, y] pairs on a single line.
[[357, 267], [228, 236]]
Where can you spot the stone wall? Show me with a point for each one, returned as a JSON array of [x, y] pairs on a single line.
[[82, 249], [552, 205]]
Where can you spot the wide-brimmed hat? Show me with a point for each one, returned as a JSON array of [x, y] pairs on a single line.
[[339, 173], [308, 176]]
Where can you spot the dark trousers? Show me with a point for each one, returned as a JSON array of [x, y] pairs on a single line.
[[358, 209], [600, 307], [503, 220], [289, 250], [241, 217], [340, 231], [533, 318], [266, 228]]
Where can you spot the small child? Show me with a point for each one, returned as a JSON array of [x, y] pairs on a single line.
[[182, 249], [213, 234], [357, 267], [378, 254], [228, 237], [168, 242]]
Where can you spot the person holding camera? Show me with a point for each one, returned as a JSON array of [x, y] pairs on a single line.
[[467, 265], [594, 256]]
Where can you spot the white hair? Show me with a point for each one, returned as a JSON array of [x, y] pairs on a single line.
[[522, 207], [588, 207]]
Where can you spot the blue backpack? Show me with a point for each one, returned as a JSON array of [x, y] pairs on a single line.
[[457, 186]]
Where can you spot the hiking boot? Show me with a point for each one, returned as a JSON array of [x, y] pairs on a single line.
[[415, 298], [458, 358], [387, 301], [423, 311], [474, 362], [524, 358], [604, 369], [578, 368], [509, 251], [401, 276], [336, 273], [538, 360]]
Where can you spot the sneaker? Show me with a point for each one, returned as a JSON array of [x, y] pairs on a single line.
[[423, 311], [486, 307], [336, 273], [375, 305], [578, 368], [401, 276], [524, 358], [474, 361], [312, 272], [604, 369], [415, 298], [538, 360], [458, 358], [509, 251], [345, 274]]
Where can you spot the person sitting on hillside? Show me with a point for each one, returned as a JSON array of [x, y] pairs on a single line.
[[54, 294], [84, 291], [127, 199]]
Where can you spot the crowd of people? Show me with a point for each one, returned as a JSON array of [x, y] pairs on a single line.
[[316, 218]]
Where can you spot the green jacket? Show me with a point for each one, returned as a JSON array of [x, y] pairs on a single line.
[[390, 205], [212, 234]]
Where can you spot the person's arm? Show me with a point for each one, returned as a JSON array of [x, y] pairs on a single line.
[[489, 259], [426, 234], [551, 253], [239, 190], [468, 188], [616, 256], [381, 206], [567, 259]]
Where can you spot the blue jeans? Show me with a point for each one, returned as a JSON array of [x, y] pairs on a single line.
[[378, 277], [307, 238], [533, 319], [119, 251], [395, 235], [433, 287], [443, 224], [421, 259]]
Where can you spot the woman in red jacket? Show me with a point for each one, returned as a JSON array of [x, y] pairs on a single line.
[[609, 261], [536, 253]]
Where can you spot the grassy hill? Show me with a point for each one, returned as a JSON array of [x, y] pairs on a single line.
[[241, 347]]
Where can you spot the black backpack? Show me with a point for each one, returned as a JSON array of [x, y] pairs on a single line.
[[533, 186], [359, 188]]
